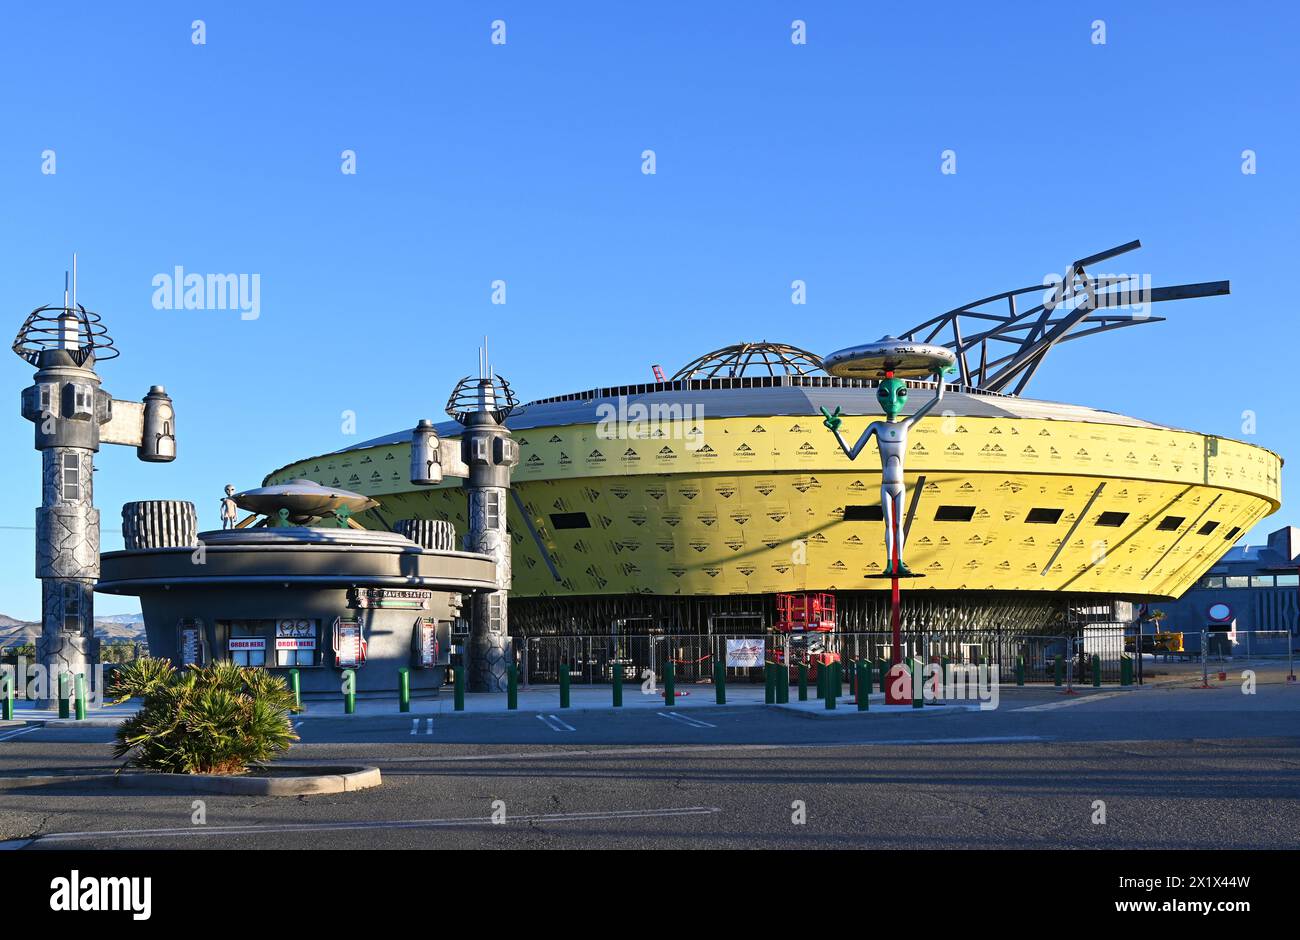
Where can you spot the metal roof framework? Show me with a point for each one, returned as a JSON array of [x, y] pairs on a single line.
[[1080, 305]]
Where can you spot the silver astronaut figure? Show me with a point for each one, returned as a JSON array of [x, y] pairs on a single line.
[[229, 509], [891, 438]]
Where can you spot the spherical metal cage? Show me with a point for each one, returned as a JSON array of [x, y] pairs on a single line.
[[761, 358], [44, 329], [472, 395]]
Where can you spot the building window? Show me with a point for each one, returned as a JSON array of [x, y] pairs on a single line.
[[1288, 580], [1213, 583], [494, 612], [954, 514], [570, 520], [1236, 581], [864, 514], [71, 608], [1232, 533], [1112, 520], [1261, 580], [1207, 528], [1046, 516], [1171, 523], [71, 477], [492, 509]]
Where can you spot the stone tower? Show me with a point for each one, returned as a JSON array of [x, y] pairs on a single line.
[[73, 416], [489, 452]]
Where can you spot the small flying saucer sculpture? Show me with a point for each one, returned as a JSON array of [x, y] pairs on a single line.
[[305, 500], [903, 358]]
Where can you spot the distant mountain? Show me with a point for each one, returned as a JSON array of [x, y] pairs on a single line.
[[113, 627]]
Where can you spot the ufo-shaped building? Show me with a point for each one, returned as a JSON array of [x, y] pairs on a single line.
[[686, 505]]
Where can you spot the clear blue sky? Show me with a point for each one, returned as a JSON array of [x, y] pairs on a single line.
[[522, 162]]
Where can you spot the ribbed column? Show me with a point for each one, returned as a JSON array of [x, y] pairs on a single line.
[[433, 534], [159, 523]]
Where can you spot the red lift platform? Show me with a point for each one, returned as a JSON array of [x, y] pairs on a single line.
[[807, 618]]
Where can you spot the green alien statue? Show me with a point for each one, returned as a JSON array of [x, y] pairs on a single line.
[[891, 437]]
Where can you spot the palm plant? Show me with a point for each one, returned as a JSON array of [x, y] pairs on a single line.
[[215, 719]]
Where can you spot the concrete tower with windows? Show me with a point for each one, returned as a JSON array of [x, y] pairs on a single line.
[[73, 417]]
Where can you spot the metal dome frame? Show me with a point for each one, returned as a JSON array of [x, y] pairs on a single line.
[[737, 360]]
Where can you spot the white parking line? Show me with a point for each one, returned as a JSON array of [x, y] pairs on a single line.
[[1067, 702], [555, 723], [693, 722], [9, 735], [384, 824]]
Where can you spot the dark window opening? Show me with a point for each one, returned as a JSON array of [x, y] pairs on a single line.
[[1207, 528], [1049, 516], [954, 514], [1232, 533], [1112, 519], [570, 520], [1171, 523], [864, 514]]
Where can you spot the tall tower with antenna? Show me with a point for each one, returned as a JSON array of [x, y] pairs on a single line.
[[73, 416], [481, 406]]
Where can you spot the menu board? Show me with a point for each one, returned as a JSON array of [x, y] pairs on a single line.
[[189, 643], [434, 642]]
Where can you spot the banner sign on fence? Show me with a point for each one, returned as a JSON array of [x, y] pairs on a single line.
[[744, 654]]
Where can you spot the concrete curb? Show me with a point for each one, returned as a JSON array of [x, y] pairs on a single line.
[[330, 779]]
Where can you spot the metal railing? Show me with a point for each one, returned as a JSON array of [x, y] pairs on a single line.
[[592, 659]]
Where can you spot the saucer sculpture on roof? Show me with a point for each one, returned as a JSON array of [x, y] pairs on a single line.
[[303, 500]]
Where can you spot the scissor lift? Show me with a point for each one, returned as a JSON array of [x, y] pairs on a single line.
[[808, 619]]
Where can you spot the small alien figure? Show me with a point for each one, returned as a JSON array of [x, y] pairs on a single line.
[[891, 437], [229, 511]]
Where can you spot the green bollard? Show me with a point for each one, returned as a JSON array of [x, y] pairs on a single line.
[[918, 700], [458, 678], [6, 695], [1020, 670], [1125, 670], [837, 679], [670, 687], [403, 690], [720, 683], [616, 685], [863, 684], [81, 697], [821, 680], [783, 685], [512, 687], [564, 685], [1060, 670], [769, 684], [349, 691], [295, 685], [882, 670], [803, 682], [1096, 671], [64, 710]]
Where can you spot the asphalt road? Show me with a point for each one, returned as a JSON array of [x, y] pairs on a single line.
[[1176, 767]]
